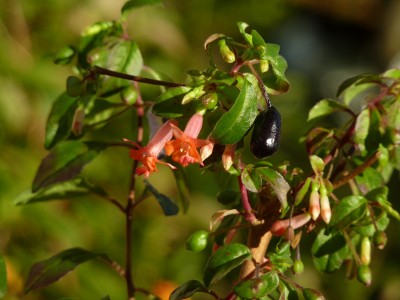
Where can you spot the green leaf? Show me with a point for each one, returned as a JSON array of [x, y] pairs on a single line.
[[3, 277], [65, 55], [74, 86], [222, 261], [367, 226], [354, 82], [328, 244], [317, 164], [325, 107], [233, 125], [256, 288], [329, 262], [274, 79], [93, 37], [369, 179], [188, 289], [276, 181], [392, 74], [132, 4], [124, 57], [242, 29], [281, 257], [47, 271], [251, 183], [65, 190], [167, 204], [60, 120], [361, 129], [348, 211], [65, 162], [169, 105], [182, 186], [101, 111]]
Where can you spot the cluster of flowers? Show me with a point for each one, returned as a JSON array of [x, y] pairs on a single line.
[[182, 149]]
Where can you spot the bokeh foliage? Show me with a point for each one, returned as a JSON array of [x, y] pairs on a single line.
[[322, 49]]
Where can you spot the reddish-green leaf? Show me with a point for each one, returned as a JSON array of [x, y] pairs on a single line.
[[65, 162], [276, 181], [256, 288], [47, 271], [188, 289], [233, 125], [222, 261], [3, 277], [65, 190], [325, 107], [60, 120]]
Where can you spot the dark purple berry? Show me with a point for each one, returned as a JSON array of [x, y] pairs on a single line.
[[266, 133]]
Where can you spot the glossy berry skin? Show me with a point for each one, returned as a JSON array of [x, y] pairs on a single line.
[[266, 133]]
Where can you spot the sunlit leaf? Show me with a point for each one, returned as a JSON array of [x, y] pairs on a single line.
[[218, 216], [317, 164], [167, 204], [60, 120], [325, 107], [65, 190], [348, 210], [361, 129], [212, 38], [392, 73], [3, 277], [251, 183], [222, 261], [256, 288], [65, 162], [47, 271], [242, 29], [188, 289], [236, 122]]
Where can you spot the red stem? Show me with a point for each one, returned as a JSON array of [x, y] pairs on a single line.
[[248, 211]]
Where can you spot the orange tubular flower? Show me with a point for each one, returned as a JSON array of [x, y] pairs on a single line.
[[147, 155], [184, 148]]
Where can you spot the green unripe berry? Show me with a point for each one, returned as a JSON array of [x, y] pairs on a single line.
[[298, 267], [197, 241], [364, 275], [209, 100], [379, 239]]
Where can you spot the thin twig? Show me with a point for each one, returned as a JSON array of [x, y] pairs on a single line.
[[103, 71], [357, 171]]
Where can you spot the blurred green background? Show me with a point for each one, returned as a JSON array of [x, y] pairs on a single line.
[[324, 42]]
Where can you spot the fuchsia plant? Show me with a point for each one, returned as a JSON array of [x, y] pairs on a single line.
[[341, 200]]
